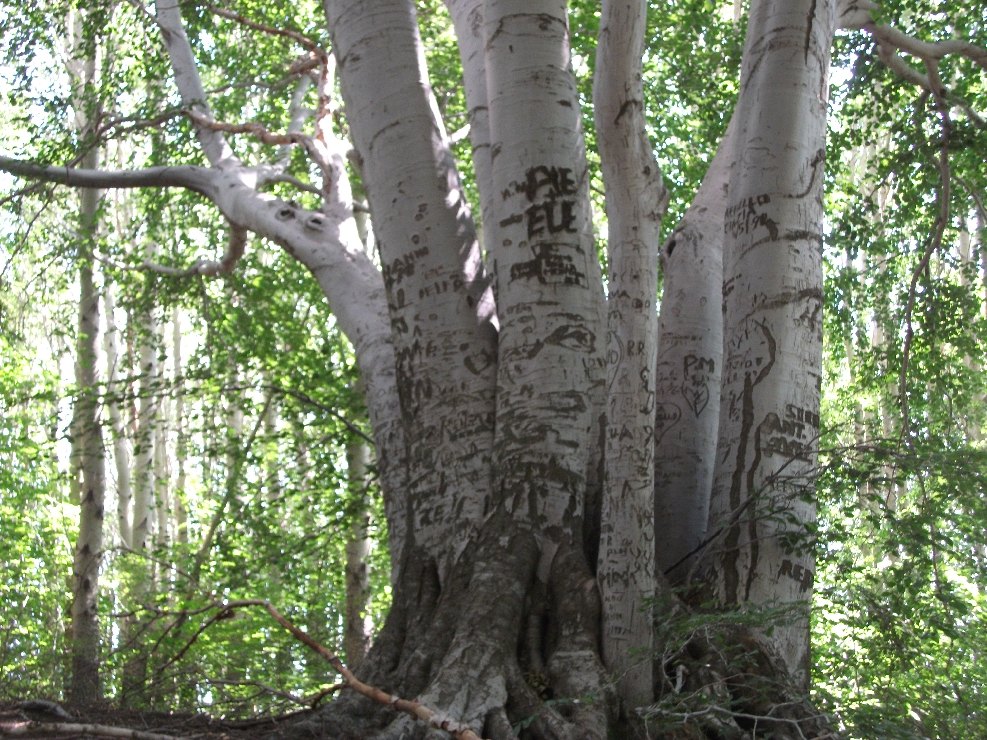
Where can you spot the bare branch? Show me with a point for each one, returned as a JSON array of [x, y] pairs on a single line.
[[314, 149], [307, 399], [295, 36], [408, 706], [235, 245], [226, 610], [927, 49], [198, 179], [255, 129]]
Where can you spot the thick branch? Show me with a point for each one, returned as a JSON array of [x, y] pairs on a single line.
[[299, 38], [188, 81], [190, 177], [927, 49]]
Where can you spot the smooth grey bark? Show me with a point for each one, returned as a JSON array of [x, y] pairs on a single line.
[[689, 369], [467, 18]]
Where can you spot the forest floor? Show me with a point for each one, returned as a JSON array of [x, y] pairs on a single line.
[[46, 719]]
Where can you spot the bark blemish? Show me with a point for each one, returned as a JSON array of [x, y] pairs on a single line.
[[808, 29], [315, 222]]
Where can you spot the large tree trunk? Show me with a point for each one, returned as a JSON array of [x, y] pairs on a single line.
[[769, 420], [689, 369], [432, 270]]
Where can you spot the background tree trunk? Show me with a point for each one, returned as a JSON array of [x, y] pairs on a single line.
[[141, 570], [87, 440], [115, 400], [356, 628]]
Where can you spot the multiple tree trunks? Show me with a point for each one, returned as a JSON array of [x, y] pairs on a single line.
[[456, 617]]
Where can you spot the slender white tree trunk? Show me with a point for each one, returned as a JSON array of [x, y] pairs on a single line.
[[636, 200], [769, 421], [181, 435], [118, 425], [164, 505], [87, 443], [467, 18], [147, 407], [141, 572]]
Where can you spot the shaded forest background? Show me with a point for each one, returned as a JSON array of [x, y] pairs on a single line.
[[234, 401]]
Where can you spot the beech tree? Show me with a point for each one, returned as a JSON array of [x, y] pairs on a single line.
[[567, 467]]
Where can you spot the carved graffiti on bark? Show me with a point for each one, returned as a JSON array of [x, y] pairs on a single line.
[[695, 386]]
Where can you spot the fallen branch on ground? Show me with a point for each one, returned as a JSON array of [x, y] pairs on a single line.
[[68, 728]]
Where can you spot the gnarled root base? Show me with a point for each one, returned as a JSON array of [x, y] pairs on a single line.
[[506, 652], [493, 647]]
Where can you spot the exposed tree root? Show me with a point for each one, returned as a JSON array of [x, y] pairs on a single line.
[[499, 651], [495, 653]]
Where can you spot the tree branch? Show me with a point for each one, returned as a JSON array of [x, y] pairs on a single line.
[[235, 245], [859, 14], [312, 147], [297, 36], [188, 81], [198, 179]]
